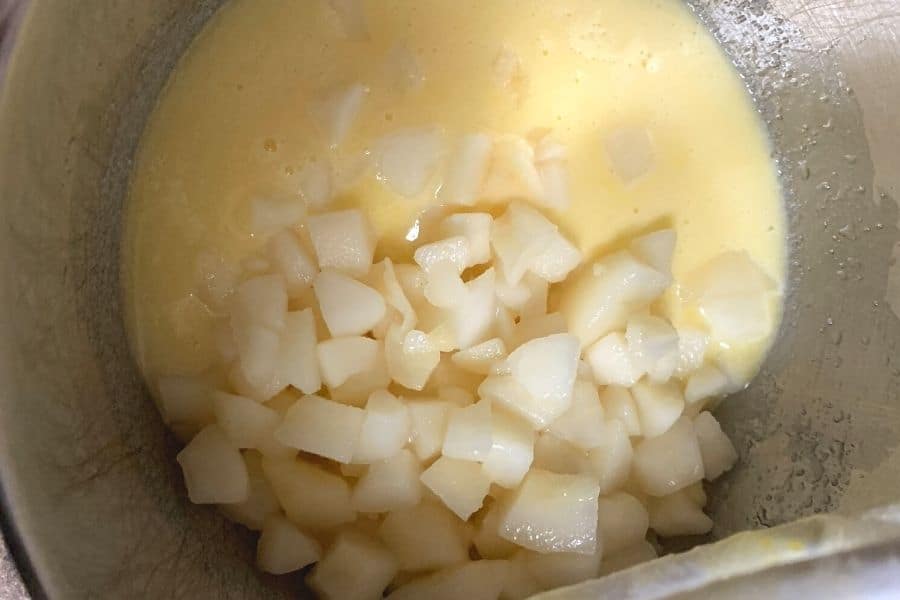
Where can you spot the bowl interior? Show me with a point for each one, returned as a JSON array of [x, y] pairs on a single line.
[[93, 497]]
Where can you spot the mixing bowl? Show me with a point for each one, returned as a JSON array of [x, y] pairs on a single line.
[[93, 503]]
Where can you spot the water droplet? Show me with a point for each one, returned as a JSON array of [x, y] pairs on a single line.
[[270, 145], [829, 123]]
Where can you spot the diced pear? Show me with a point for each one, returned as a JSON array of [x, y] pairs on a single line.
[[314, 183], [505, 326], [356, 390], [519, 238], [622, 521], [341, 358], [730, 274], [639, 553], [479, 358], [343, 241], [559, 456], [706, 383], [536, 303], [546, 369], [512, 172], [619, 405], [732, 294], [554, 513], [388, 485], [653, 346], [532, 328], [505, 391], [460, 484], [445, 288], [348, 306], [396, 297], [513, 296], [558, 259], [476, 229], [298, 360], [466, 169], [336, 112], [584, 424], [669, 462], [283, 548], [322, 427], [555, 181], [630, 152], [473, 318], [246, 422], [268, 215], [658, 406], [454, 250], [601, 299], [692, 344], [214, 471], [425, 537], [737, 319], [258, 350], [612, 462], [411, 357], [310, 496], [355, 567], [677, 514], [477, 580], [293, 262], [385, 429], [407, 160], [716, 449], [512, 450], [562, 568], [611, 361], [487, 541], [185, 399], [429, 424], [520, 583], [656, 249], [412, 280], [468, 434], [258, 309], [261, 501], [261, 392]]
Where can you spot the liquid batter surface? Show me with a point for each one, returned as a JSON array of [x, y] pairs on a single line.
[[239, 121]]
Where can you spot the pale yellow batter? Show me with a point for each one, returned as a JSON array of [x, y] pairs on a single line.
[[234, 125]]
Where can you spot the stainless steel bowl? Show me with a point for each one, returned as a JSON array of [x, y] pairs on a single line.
[[93, 502]]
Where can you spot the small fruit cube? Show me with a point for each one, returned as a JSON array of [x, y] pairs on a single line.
[[343, 241], [214, 471], [407, 160], [512, 450], [411, 357], [653, 346], [468, 434], [611, 463], [389, 485], [466, 169], [298, 361], [283, 548], [487, 540], [554, 513], [716, 449], [479, 358], [348, 306], [546, 369], [658, 406], [385, 429], [622, 522], [476, 229], [619, 405], [429, 424], [425, 537], [460, 484], [341, 358], [293, 262], [584, 424], [612, 363], [311, 497], [453, 250], [322, 427], [678, 514], [355, 567], [476, 580], [669, 462], [260, 503], [185, 399]]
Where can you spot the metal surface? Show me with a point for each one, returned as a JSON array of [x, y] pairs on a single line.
[[87, 470]]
